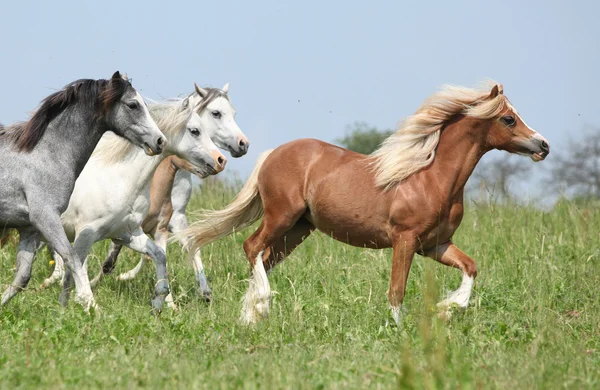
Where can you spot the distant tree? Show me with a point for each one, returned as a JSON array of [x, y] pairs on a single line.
[[576, 171], [494, 177], [363, 138]]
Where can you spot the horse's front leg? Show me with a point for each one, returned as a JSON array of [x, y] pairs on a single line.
[[448, 254], [48, 222], [405, 246], [140, 242], [83, 290]]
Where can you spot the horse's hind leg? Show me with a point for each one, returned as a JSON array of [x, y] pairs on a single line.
[[448, 254], [281, 248], [275, 224], [109, 263], [177, 224], [28, 243]]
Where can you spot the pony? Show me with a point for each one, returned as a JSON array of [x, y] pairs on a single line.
[[407, 195], [171, 186], [101, 207], [41, 159]]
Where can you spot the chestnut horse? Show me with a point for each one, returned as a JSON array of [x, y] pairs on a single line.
[[408, 195]]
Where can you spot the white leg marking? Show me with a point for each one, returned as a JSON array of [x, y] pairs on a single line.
[[257, 299], [170, 303], [133, 273], [461, 296], [398, 314], [83, 289], [58, 273], [200, 275]]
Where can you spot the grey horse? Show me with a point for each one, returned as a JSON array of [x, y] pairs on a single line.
[[41, 159]]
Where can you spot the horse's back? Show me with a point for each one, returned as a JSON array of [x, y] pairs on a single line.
[[336, 186]]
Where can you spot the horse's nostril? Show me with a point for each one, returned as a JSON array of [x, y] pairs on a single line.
[[221, 160], [159, 141], [242, 143], [545, 146]]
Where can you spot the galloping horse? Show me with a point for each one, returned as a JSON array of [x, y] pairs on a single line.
[[111, 197], [408, 195], [41, 159], [171, 188]]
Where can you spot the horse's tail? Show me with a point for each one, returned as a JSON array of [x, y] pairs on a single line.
[[245, 209]]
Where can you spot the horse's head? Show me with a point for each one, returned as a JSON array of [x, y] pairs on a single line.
[[218, 119], [194, 145], [509, 132], [126, 114]]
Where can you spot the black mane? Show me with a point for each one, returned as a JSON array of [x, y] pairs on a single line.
[[98, 95]]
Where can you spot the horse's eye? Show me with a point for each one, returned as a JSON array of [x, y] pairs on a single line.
[[216, 114], [133, 105], [509, 120], [195, 131]]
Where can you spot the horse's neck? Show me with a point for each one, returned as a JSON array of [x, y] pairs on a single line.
[[139, 169], [71, 139], [461, 146]]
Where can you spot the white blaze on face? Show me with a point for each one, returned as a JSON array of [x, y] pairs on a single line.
[[535, 135], [520, 118]]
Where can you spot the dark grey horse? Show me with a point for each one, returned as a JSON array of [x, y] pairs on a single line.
[[41, 159]]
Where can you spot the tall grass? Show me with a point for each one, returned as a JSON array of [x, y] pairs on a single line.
[[532, 323]]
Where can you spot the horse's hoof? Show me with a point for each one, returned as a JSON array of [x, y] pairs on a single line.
[[157, 304], [63, 299], [206, 297]]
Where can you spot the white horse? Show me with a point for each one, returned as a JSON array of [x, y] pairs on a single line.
[[217, 119], [111, 196], [217, 116]]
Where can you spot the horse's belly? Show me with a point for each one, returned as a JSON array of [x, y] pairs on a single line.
[[355, 232], [14, 211]]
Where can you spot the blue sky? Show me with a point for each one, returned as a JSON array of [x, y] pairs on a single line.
[[310, 68]]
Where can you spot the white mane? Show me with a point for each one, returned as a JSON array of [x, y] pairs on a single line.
[[170, 116], [412, 147]]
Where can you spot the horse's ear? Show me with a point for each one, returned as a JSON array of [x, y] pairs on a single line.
[[185, 104], [225, 88], [500, 89], [495, 91], [124, 77], [200, 91], [116, 75]]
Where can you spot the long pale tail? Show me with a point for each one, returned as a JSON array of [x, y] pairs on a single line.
[[212, 225]]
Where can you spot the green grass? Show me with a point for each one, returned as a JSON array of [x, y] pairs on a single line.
[[532, 323]]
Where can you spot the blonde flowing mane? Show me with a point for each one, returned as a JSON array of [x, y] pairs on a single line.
[[412, 147], [170, 117]]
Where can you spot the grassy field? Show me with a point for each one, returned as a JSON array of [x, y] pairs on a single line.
[[533, 320]]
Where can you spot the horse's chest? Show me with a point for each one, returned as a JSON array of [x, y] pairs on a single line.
[[139, 209], [132, 213], [445, 226]]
